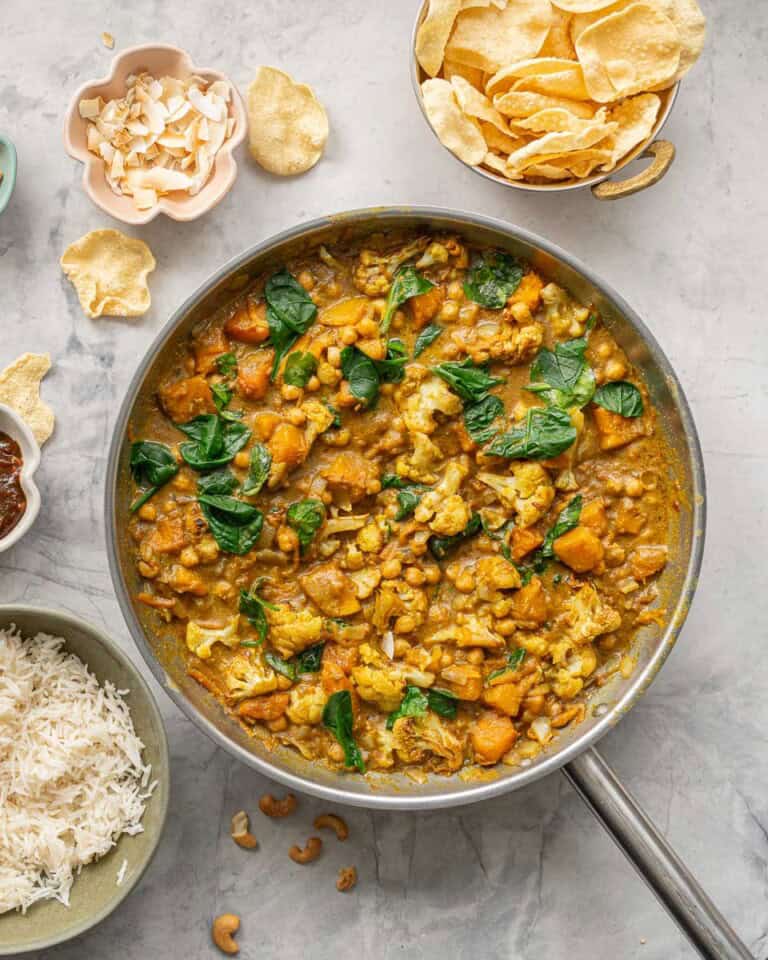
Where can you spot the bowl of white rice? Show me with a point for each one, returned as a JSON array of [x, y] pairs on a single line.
[[84, 777]]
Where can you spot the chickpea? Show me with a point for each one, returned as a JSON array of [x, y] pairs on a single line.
[[328, 374], [189, 557], [242, 459], [455, 291], [348, 335], [520, 312], [148, 512], [468, 313], [368, 327], [604, 350], [333, 356], [289, 392], [505, 627], [336, 752], [414, 577], [405, 624], [306, 279], [615, 370], [432, 573], [451, 349], [148, 570], [452, 571], [633, 487], [313, 384], [332, 289], [475, 656], [449, 311], [296, 416], [391, 568], [387, 389], [169, 506], [287, 540], [465, 582], [401, 648]]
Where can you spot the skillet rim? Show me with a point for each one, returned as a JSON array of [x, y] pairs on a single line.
[[581, 742]]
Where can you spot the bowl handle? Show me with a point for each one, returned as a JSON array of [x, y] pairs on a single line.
[[663, 153], [654, 859]]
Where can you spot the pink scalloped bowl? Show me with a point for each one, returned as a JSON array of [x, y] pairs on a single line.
[[160, 60]]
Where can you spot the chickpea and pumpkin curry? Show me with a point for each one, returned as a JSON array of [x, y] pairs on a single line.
[[402, 504]]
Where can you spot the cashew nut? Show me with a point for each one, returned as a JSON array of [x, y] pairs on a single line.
[[222, 930], [347, 879], [333, 822], [309, 853], [277, 808], [240, 833]]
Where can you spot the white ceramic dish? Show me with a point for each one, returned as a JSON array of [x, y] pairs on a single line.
[[12, 424]]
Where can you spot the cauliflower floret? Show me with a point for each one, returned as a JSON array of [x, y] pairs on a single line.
[[418, 464], [584, 617], [249, 676], [201, 639], [430, 740], [396, 598], [374, 271], [380, 744], [292, 631], [307, 702], [493, 574], [473, 632], [432, 396], [435, 253], [529, 491], [383, 686], [365, 581], [319, 419], [567, 318], [451, 514], [499, 340]]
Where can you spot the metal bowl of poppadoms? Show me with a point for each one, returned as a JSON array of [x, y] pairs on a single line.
[[472, 104], [573, 752]]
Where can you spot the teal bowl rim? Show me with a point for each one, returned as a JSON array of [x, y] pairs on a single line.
[[65, 619], [9, 176]]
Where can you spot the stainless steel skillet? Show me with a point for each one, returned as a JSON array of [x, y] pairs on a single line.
[[574, 753]]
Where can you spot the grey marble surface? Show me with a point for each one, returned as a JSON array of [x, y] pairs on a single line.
[[528, 875]]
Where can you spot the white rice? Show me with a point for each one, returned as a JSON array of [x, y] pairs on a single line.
[[72, 779]]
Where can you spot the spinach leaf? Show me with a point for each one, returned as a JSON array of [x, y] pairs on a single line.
[[546, 433], [391, 481], [443, 702], [258, 470], [492, 278], [339, 719], [567, 520], [527, 571], [213, 442], [227, 364], [514, 659], [336, 415], [407, 283], [219, 481], [479, 417], [281, 666], [426, 338], [463, 377], [305, 517], [562, 376], [253, 607], [408, 499], [361, 373], [310, 660], [236, 525], [221, 395], [440, 547], [392, 368], [620, 396], [290, 313], [299, 368], [153, 464], [413, 704]]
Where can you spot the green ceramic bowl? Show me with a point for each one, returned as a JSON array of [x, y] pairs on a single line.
[[94, 893], [8, 170]]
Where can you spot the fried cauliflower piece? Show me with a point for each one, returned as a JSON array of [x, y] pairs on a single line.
[[494, 574], [585, 616], [292, 631], [499, 340], [319, 419], [432, 396], [382, 686], [430, 741], [420, 462], [374, 271], [200, 639], [473, 632], [380, 744], [568, 318], [396, 598], [248, 675], [306, 704], [529, 491], [442, 508]]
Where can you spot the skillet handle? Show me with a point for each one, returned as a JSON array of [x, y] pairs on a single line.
[[654, 859]]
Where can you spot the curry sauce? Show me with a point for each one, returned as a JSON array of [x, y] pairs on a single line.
[[402, 506]]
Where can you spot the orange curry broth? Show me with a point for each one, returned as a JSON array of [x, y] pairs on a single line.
[[390, 615]]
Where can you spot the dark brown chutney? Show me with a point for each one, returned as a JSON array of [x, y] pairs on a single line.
[[13, 502]]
